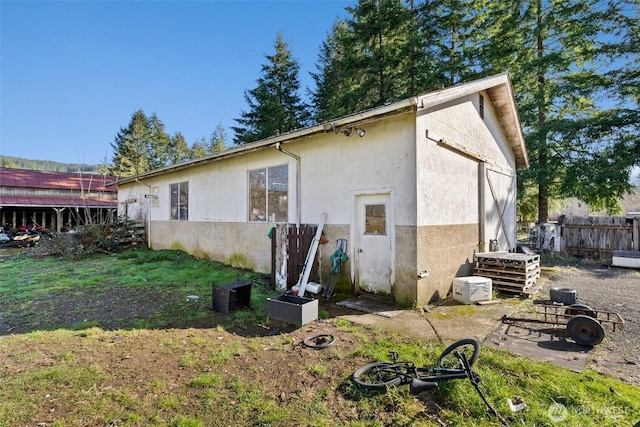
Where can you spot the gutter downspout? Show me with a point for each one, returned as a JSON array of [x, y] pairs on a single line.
[[482, 214], [298, 189], [148, 213]]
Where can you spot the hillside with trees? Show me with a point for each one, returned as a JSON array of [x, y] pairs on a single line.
[[46, 165]]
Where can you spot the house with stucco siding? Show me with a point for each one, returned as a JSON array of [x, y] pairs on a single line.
[[416, 187]]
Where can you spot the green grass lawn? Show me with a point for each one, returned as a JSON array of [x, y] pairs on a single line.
[[176, 363]]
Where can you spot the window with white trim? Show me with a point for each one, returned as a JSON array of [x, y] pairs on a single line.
[[180, 201], [269, 194]]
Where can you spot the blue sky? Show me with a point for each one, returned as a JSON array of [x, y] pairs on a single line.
[[73, 72]]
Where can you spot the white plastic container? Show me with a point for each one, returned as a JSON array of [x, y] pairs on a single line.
[[471, 289], [312, 287]]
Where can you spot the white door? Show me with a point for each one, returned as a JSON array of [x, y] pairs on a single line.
[[373, 249], [501, 215]]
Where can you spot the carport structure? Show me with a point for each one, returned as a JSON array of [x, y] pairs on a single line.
[[55, 200]]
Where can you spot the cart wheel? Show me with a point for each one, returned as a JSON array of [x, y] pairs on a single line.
[[577, 309], [585, 330], [566, 296]]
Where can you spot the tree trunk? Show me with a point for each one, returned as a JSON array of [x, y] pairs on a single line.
[[543, 179]]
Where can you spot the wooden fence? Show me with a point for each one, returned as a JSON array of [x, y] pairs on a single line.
[[289, 248], [587, 237]]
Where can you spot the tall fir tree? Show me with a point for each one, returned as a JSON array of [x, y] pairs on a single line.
[[450, 29], [386, 50], [178, 150], [140, 147], [564, 57], [218, 140], [369, 59], [333, 80], [199, 148], [275, 105], [159, 144], [131, 147], [573, 63]]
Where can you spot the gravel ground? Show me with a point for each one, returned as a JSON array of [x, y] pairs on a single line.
[[614, 289]]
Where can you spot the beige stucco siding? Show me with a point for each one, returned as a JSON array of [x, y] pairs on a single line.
[[445, 251], [456, 211], [333, 167], [226, 241], [445, 175]]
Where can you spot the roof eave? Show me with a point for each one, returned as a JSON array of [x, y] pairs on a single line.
[[331, 126], [500, 91]]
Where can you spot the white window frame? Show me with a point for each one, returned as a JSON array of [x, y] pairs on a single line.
[[265, 212]]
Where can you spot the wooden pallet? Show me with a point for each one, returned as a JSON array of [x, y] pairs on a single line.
[[508, 259], [509, 272], [525, 291], [506, 275]]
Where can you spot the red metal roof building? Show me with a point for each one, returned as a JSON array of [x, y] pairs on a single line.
[[55, 200]]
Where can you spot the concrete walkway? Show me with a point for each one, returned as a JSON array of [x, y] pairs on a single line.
[[450, 323], [447, 323]]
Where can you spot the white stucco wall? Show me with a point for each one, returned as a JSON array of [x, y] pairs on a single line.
[[458, 181], [333, 169], [440, 197]]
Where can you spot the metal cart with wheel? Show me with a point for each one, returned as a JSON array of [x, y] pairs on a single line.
[[584, 324]]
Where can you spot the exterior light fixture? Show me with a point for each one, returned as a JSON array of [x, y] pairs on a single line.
[[350, 131]]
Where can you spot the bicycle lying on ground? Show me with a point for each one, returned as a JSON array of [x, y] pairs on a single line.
[[454, 363]]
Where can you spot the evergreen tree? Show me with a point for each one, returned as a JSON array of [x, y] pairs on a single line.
[[159, 144], [140, 147], [450, 28], [573, 63], [178, 150], [368, 60], [131, 147], [385, 51], [567, 59], [275, 106], [218, 141], [199, 148], [335, 80]]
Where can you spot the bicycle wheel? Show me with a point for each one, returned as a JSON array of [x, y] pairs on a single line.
[[469, 347], [377, 376]]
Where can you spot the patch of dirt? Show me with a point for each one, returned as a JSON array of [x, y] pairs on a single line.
[[150, 366], [269, 356]]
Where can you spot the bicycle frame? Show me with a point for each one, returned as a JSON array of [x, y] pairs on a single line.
[[380, 375]]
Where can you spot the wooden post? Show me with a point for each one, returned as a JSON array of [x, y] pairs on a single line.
[[635, 233]]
